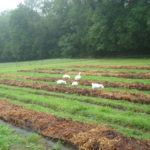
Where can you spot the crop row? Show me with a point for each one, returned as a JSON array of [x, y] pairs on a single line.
[[96, 71], [136, 85], [130, 76], [101, 114], [92, 71], [118, 95], [117, 105], [112, 67], [85, 136]]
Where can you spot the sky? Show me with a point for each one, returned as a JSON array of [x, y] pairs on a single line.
[[9, 4]]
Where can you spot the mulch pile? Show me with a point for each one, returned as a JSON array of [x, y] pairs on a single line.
[[135, 85], [115, 95], [83, 135], [112, 67], [130, 76]]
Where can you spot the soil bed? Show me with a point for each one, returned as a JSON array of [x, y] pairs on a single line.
[[113, 67], [83, 135], [136, 85], [129, 76], [96, 71], [117, 95]]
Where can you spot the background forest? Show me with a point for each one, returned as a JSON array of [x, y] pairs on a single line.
[[40, 29]]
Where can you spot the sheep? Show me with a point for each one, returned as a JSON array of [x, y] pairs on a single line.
[[78, 77], [96, 86], [61, 82], [74, 83], [66, 76]]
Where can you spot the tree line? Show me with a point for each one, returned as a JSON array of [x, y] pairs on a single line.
[[40, 29]]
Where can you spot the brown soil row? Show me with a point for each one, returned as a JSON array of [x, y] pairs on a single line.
[[112, 67], [136, 85], [83, 135], [130, 76], [115, 95], [96, 71]]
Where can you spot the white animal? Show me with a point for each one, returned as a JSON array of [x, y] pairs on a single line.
[[74, 83], [61, 82], [96, 86], [66, 76], [78, 77]]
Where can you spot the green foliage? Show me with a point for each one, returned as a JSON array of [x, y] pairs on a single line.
[[81, 28]]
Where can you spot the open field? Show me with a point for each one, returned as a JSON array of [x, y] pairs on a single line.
[[108, 118]]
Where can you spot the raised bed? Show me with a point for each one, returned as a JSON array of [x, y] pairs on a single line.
[[83, 135], [130, 76], [113, 67], [117, 95], [136, 85]]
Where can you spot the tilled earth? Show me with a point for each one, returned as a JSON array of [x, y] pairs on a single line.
[[83, 135], [130, 76], [135, 85], [113, 67], [117, 95], [94, 71]]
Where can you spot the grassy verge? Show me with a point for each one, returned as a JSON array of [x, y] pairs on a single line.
[[9, 140]]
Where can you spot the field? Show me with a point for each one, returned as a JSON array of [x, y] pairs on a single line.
[[116, 117]]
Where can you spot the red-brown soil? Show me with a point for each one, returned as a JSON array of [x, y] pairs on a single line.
[[115, 95], [112, 67], [130, 76], [136, 85], [85, 136]]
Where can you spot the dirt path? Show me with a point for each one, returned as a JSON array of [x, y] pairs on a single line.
[[85, 136]]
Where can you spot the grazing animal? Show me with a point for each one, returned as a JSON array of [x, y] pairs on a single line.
[[78, 77], [61, 82], [96, 86], [74, 83], [66, 76]]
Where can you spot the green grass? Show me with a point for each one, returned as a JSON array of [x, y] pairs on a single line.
[[102, 115], [128, 118], [122, 105], [9, 140]]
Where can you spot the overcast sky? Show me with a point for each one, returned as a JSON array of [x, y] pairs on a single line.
[[9, 4]]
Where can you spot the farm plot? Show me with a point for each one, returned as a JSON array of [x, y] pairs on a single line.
[[85, 136], [122, 105], [130, 76]]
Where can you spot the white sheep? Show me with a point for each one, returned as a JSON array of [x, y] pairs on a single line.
[[66, 76], [96, 86], [78, 77], [61, 82], [74, 83]]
